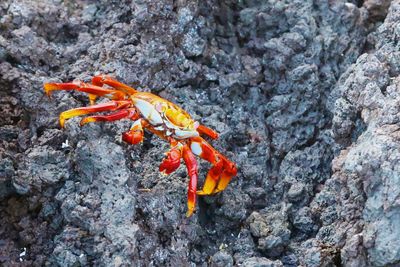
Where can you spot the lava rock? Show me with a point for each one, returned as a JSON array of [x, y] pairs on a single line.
[[221, 258], [261, 262], [305, 97]]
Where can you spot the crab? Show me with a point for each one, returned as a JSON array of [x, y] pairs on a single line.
[[160, 117]]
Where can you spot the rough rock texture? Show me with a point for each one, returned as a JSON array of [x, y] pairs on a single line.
[[305, 96]]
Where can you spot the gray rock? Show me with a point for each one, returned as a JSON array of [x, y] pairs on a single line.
[[271, 230], [192, 44], [304, 95], [261, 262], [41, 166], [353, 252], [221, 258]]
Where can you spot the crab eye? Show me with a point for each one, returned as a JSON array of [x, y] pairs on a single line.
[[159, 107]]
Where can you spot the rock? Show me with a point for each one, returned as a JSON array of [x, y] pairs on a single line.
[[353, 252], [304, 95], [271, 230], [192, 44], [304, 222], [221, 258], [261, 262], [41, 166]]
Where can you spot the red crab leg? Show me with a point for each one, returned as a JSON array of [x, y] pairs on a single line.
[[191, 165], [92, 90], [220, 173], [100, 80], [207, 131], [173, 158], [135, 134], [129, 113], [109, 106]]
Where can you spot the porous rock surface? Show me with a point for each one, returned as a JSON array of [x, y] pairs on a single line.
[[306, 98]]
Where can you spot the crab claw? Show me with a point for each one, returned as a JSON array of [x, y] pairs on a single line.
[[135, 134], [132, 137], [172, 160]]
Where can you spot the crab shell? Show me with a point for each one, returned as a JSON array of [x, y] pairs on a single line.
[[165, 116]]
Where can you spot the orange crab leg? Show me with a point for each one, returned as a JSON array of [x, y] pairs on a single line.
[[222, 171], [173, 158], [207, 131], [228, 173], [212, 179], [92, 90], [192, 168], [109, 106], [100, 80], [130, 113]]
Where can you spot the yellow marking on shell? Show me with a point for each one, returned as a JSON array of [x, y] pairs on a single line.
[[182, 120]]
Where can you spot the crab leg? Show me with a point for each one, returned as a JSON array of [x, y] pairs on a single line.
[[207, 131], [192, 168], [226, 176], [173, 158], [100, 80], [129, 113], [212, 179], [109, 106], [221, 172], [91, 89], [135, 134]]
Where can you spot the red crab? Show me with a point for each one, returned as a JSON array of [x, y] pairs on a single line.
[[160, 117]]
